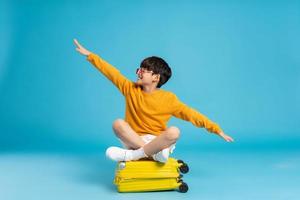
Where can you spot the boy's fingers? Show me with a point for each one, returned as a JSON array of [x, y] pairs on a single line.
[[227, 138], [77, 43]]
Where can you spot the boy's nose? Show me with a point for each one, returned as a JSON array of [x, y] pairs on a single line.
[[138, 71]]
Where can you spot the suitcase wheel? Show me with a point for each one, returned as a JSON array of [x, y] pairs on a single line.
[[184, 168], [183, 187]]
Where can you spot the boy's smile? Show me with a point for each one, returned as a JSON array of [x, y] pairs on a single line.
[[144, 76]]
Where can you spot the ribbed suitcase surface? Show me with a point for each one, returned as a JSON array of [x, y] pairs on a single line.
[[149, 175]]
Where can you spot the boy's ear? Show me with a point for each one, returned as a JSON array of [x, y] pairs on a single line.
[[156, 78]]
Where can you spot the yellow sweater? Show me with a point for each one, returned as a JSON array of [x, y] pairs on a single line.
[[148, 113]]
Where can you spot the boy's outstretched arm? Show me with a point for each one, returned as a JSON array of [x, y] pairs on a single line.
[[112, 73], [182, 111]]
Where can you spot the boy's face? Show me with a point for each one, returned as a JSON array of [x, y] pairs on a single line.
[[146, 77]]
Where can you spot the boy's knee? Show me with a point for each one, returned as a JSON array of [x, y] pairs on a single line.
[[118, 123], [172, 133]]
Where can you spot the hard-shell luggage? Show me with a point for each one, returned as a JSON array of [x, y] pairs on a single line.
[[149, 175]]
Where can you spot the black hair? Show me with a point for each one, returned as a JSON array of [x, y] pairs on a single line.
[[158, 66]]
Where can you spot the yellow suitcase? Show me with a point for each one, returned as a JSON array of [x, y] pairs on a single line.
[[149, 175]]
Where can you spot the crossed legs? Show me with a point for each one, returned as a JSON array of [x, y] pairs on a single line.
[[132, 140]]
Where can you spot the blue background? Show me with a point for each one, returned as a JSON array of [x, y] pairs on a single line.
[[237, 62]]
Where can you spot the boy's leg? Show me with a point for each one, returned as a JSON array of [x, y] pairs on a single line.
[[164, 140], [127, 134]]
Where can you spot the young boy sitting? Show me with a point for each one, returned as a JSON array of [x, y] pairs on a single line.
[[144, 132]]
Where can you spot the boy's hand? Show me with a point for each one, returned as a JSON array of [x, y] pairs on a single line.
[[81, 49], [226, 137]]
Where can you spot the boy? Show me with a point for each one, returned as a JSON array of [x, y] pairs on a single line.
[[148, 109]]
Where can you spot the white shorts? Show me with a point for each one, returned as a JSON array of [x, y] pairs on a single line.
[[148, 138]]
